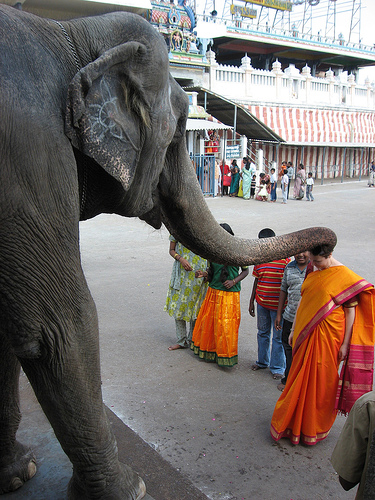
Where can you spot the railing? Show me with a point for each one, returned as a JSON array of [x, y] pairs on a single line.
[[288, 86], [343, 172], [205, 170], [241, 26]]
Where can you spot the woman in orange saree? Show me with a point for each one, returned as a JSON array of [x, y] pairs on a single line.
[[334, 322]]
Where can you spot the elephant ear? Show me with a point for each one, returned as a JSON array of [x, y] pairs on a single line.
[[107, 110]]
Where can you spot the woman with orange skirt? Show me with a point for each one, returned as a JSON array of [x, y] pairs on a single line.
[[215, 335], [334, 322]]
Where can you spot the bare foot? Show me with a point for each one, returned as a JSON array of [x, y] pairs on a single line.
[[257, 367], [281, 387], [176, 346]]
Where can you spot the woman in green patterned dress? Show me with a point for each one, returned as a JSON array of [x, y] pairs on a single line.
[[185, 292]]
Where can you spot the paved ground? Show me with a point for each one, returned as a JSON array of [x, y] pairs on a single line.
[[208, 423]]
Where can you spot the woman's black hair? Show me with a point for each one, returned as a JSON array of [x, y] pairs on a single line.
[[224, 272], [322, 250]]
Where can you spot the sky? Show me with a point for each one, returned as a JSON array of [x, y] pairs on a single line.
[[343, 17]]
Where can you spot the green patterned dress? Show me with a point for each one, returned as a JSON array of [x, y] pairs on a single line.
[[185, 292]]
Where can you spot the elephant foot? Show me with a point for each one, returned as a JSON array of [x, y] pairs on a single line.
[[18, 469], [127, 486]]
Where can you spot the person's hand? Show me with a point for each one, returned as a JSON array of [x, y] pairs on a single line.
[[199, 274], [228, 284], [343, 352], [185, 264], [278, 323], [252, 309]]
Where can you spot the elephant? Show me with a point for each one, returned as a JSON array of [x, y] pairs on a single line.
[[92, 122]]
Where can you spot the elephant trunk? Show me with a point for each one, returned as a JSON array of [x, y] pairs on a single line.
[[187, 217]]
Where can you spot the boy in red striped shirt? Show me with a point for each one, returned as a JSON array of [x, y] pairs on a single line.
[[266, 291]]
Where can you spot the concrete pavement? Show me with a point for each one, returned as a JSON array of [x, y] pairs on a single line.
[[208, 425]]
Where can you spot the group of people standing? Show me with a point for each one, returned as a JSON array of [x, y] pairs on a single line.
[[242, 182], [205, 296], [238, 181], [302, 184], [328, 321]]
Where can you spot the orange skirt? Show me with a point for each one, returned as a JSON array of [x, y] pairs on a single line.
[[306, 409], [215, 336]]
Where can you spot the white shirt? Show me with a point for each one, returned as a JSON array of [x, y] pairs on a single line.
[[285, 180]]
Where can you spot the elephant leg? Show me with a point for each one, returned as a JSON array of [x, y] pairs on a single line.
[[68, 387], [17, 462]]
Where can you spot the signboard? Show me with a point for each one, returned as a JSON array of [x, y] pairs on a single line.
[[232, 151], [273, 4], [243, 11]]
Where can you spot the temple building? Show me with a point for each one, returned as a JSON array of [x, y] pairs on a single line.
[[259, 85]]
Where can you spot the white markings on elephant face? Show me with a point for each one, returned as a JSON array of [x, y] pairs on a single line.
[[103, 116]]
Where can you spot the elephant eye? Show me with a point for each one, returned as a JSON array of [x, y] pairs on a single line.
[[180, 127]]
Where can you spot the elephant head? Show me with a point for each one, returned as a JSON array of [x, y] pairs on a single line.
[[126, 112]]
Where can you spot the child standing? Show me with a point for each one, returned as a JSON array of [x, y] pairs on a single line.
[[309, 187], [284, 185], [253, 186], [215, 336], [273, 181]]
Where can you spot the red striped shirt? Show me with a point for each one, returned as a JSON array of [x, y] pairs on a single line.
[[269, 282]]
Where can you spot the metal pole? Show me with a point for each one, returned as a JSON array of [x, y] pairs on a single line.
[[235, 123], [334, 172], [343, 166], [360, 165], [303, 155], [223, 160]]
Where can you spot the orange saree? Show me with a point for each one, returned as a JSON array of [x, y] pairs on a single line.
[[215, 336], [307, 408]]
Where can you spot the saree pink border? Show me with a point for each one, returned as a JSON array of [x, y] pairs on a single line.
[[355, 378]]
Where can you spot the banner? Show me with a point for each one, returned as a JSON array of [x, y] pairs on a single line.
[[243, 11], [273, 4]]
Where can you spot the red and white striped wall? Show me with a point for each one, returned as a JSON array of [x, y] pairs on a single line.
[[329, 142], [311, 125]]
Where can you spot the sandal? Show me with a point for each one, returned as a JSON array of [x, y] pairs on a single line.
[[277, 376], [281, 387]]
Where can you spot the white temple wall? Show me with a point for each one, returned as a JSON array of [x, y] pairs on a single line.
[[246, 84]]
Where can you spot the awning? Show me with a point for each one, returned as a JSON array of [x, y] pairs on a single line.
[[227, 111], [198, 124]]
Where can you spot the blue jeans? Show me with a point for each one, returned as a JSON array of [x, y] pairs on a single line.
[[273, 191], [266, 323], [309, 194]]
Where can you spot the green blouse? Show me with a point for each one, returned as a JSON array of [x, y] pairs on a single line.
[[232, 274]]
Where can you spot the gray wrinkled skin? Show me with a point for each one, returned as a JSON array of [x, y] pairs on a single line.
[[109, 138]]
